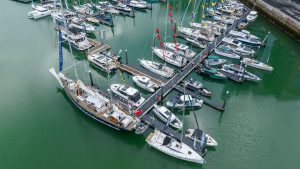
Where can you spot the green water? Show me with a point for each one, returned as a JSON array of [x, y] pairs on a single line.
[[41, 128]]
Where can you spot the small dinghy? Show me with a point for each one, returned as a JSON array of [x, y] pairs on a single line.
[[200, 136], [214, 61], [145, 83], [164, 114], [186, 101], [181, 49], [171, 146], [157, 68], [256, 64], [226, 51], [197, 86]]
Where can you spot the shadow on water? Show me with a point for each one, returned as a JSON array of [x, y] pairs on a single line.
[[122, 136]]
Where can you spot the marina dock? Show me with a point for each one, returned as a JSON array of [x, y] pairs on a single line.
[[97, 46]]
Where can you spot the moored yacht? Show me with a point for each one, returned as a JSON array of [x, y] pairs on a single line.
[[123, 8], [245, 37], [197, 86], [39, 12], [84, 9], [106, 6], [171, 146], [68, 15], [145, 83], [198, 43], [90, 101], [170, 57], [186, 101], [138, 4], [82, 25], [103, 62], [252, 16], [238, 73], [167, 116], [238, 47], [157, 68], [132, 95], [224, 50], [256, 64], [181, 49], [214, 29], [196, 33], [77, 39], [200, 136]]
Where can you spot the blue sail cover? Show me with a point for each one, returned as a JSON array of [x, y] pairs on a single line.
[[60, 50]]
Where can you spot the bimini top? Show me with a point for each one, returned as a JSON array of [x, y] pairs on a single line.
[[129, 90]]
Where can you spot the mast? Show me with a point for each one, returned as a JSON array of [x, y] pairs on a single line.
[[69, 43], [166, 20], [183, 112]]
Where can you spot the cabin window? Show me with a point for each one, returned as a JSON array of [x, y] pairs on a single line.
[[189, 153], [136, 97], [177, 145]]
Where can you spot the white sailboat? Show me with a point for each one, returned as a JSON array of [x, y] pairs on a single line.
[[237, 46], [245, 37], [181, 49], [145, 83], [256, 64], [196, 33], [226, 51], [157, 68], [214, 29], [170, 57]]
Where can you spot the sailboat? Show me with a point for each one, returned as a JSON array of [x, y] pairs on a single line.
[[181, 49], [170, 57], [92, 101]]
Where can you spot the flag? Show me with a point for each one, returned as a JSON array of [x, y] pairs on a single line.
[[161, 44], [60, 50], [170, 7], [157, 30], [173, 27], [170, 14], [174, 35], [158, 37], [138, 112], [171, 20]]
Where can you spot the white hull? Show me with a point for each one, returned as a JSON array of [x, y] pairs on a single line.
[[170, 57], [229, 55], [141, 85], [150, 65], [256, 64]]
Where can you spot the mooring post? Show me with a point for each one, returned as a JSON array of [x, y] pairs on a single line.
[[91, 78], [126, 56], [226, 97]]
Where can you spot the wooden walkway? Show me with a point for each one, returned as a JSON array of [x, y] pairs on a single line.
[[97, 47], [135, 72]]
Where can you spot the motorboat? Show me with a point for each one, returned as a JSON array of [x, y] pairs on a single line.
[[224, 19], [167, 116], [186, 101], [123, 8], [221, 26], [214, 61], [199, 136], [214, 29], [81, 25], [138, 4], [196, 33], [145, 83], [171, 146], [84, 9], [245, 37], [198, 43], [256, 64], [170, 57], [210, 71], [196, 86], [238, 73], [39, 12], [224, 50], [68, 15], [130, 94], [78, 39], [252, 16], [237, 46], [106, 6], [157, 68], [111, 55], [103, 62], [181, 49], [94, 104]]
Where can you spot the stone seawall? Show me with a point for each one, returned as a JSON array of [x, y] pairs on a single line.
[[288, 23]]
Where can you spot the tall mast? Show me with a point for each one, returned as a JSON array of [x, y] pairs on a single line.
[[69, 43], [166, 20], [183, 113]]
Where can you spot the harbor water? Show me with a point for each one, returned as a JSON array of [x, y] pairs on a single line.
[[41, 128]]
